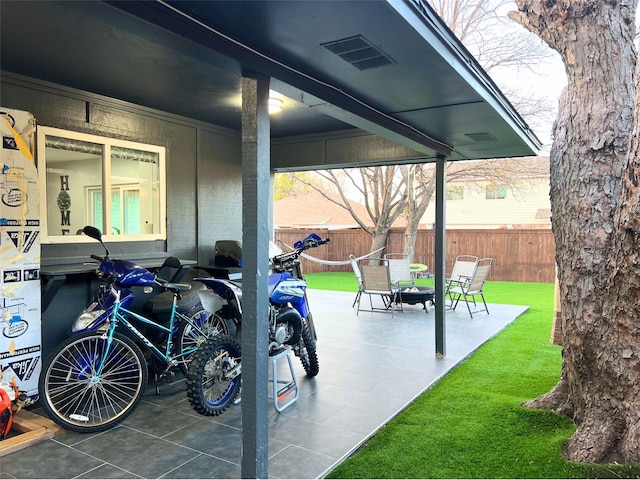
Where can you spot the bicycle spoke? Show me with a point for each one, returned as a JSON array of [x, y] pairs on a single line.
[[87, 388]]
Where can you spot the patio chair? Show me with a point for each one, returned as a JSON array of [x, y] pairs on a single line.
[[356, 271], [376, 280], [463, 268], [469, 289], [399, 269]]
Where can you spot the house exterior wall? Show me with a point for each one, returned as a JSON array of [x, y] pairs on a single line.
[[204, 183], [528, 207], [203, 162]]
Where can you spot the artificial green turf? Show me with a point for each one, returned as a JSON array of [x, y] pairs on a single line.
[[471, 424]]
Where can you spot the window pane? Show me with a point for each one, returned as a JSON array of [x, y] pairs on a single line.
[[495, 192], [117, 186], [455, 193], [136, 172], [116, 213], [71, 166], [490, 192], [131, 212], [96, 217]]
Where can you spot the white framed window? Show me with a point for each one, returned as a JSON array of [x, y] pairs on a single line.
[[455, 192], [496, 192], [76, 170]]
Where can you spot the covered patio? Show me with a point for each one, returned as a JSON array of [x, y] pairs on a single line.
[[371, 367], [363, 83]]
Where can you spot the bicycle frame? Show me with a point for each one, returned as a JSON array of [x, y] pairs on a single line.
[[117, 317]]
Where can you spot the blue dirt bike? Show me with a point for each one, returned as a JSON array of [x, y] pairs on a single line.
[[96, 377], [213, 376]]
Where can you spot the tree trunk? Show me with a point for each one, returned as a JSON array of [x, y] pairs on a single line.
[[379, 240], [421, 185], [595, 256]]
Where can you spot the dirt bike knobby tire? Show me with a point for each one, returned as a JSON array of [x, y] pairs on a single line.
[[211, 324], [210, 393], [306, 352]]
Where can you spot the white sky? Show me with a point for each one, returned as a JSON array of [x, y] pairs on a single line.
[[551, 81]]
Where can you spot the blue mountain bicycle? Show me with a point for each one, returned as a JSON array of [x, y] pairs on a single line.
[[96, 377]]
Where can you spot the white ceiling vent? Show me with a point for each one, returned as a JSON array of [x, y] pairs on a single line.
[[359, 52]]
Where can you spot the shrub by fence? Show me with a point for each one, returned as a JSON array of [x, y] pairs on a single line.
[[521, 255]]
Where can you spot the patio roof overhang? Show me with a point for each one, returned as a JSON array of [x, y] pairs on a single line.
[[391, 68]]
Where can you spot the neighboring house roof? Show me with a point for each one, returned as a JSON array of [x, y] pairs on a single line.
[[314, 209]]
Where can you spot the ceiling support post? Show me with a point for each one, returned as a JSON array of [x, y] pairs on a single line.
[[440, 256], [255, 269]]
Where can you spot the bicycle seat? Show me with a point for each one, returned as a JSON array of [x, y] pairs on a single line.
[[178, 287]]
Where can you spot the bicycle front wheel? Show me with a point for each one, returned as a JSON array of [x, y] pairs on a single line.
[[193, 333], [87, 386]]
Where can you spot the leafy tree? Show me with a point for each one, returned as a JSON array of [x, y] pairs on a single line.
[[595, 203], [285, 184], [395, 191]]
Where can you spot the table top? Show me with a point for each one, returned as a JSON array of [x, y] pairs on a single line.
[[91, 266]]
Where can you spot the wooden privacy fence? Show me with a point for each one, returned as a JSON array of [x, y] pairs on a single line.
[[521, 255]]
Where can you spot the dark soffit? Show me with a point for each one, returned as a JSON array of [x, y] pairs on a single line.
[[415, 85]]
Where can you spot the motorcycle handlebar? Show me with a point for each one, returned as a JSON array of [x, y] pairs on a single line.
[[96, 257], [294, 254]]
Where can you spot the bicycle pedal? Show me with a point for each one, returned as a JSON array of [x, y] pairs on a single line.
[[166, 377]]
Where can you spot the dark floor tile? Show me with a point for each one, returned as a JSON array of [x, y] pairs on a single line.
[[167, 393], [312, 436], [344, 377], [137, 452], [205, 466], [214, 439], [220, 441], [48, 459], [296, 462], [106, 470], [311, 408], [158, 420], [356, 420]]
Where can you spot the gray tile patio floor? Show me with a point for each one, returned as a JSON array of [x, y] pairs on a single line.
[[371, 367]]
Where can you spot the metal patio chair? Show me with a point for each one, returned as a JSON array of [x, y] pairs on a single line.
[[356, 271], [376, 280], [470, 288], [399, 269], [463, 268]]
